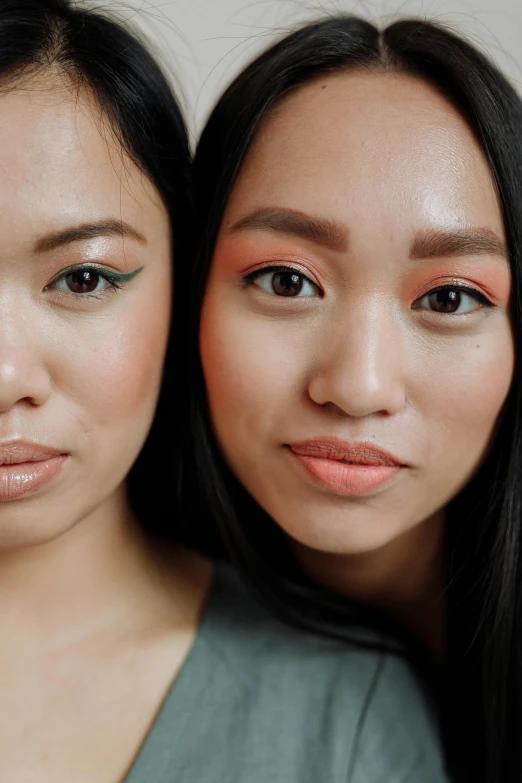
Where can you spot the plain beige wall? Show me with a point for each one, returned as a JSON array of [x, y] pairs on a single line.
[[203, 43]]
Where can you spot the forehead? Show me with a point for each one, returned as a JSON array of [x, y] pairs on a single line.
[[60, 161], [357, 144]]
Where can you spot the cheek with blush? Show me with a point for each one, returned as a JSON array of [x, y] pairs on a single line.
[[115, 379], [466, 366], [252, 369], [465, 393]]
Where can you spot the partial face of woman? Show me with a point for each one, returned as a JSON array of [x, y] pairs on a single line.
[[355, 334], [84, 310]]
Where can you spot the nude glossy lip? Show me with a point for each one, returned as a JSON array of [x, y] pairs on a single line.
[[27, 467], [347, 469]]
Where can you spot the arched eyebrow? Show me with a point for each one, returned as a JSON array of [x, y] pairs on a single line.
[[320, 231], [85, 231], [473, 242]]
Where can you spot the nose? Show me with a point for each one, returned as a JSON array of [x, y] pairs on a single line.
[[23, 374], [361, 368]]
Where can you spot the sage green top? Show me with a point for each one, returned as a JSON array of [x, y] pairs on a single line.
[[260, 702]]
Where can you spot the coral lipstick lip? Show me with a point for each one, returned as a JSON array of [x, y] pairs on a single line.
[[26, 467], [347, 469]]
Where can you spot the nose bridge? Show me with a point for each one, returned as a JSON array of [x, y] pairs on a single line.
[[23, 374], [362, 368]]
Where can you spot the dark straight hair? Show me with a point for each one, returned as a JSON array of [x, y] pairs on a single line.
[[99, 53], [481, 703]]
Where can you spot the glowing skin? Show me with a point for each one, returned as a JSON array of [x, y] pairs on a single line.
[[79, 372], [94, 621], [360, 354]]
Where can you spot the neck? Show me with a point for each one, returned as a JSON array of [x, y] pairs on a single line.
[[101, 576], [404, 580]]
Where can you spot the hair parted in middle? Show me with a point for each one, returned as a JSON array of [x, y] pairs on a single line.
[[483, 719]]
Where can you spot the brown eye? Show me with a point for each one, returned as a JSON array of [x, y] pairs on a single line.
[[445, 301], [453, 300], [287, 283], [284, 282], [83, 282]]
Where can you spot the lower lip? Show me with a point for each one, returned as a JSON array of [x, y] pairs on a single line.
[[348, 480], [26, 478]]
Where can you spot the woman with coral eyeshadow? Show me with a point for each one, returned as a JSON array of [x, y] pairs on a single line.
[[124, 657], [355, 411]]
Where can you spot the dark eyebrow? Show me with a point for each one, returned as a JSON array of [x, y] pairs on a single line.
[[84, 231], [476, 242], [321, 231]]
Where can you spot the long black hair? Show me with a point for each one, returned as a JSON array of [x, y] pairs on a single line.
[[483, 689], [102, 54]]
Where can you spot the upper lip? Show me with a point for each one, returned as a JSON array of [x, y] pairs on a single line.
[[19, 451], [343, 451]]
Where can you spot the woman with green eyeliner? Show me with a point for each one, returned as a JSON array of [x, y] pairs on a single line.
[[125, 657]]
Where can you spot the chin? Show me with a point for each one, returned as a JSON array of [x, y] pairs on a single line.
[[22, 530], [345, 536], [337, 542]]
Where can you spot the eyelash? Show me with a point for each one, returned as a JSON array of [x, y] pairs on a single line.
[[473, 292], [252, 276], [113, 279], [463, 289]]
